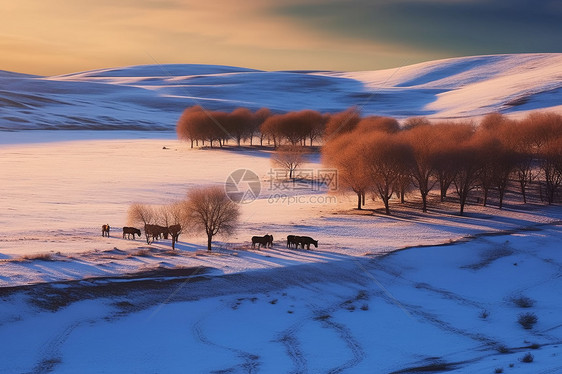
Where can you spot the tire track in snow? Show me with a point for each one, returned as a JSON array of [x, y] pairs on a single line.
[[251, 362], [51, 354], [292, 345], [353, 344]]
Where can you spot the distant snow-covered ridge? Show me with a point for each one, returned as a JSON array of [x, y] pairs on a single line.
[[151, 97]]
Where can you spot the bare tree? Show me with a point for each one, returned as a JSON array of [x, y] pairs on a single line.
[[505, 162], [239, 124], [342, 153], [486, 149], [551, 165], [197, 123], [468, 166], [445, 169], [424, 145], [449, 136], [271, 128], [171, 216], [188, 127], [289, 158], [516, 139], [210, 210], [385, 160], [258, 119], [142, 214]]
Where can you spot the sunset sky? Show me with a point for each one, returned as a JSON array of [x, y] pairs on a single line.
[[62, 36]]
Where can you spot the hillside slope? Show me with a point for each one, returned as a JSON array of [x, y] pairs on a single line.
[[151, 97]]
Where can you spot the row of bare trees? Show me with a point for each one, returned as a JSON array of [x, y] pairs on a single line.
[[205, 210], [376, 156], [198, 125]]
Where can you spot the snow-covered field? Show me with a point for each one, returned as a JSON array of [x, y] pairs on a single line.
[[406, 293], [152, 97], [339, 308]]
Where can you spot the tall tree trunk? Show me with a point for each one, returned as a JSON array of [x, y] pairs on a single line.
[[501, 191], [462, 200], [359, 200], [443, 189], [386, 206], [523, 193], [209, 237]]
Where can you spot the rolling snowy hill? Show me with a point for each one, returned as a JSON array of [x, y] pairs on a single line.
[[151, 97]]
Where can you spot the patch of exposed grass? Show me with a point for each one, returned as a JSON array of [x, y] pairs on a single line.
[[523, 301], [362, 295], [527, 320], [141, 253], [38, 257]]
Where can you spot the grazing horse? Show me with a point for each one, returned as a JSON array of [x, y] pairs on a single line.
[[292, 240], [152, 232], [157, 231], [160, 231], [266, 240], [307, 240], [105, 230], [131, 231]]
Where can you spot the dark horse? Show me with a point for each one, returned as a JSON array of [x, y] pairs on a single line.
[[105, 230], [154, 232], [296, 241], [293, 240], [265, 241], [307, 240], [131, 231]]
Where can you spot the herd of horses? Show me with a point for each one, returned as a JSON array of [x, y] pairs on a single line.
[[155, 232], [292, 241]]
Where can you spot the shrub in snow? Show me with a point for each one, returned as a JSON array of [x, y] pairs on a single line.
[[527, 320], [499, 370], [523, 302], [527, 358], [39, 257]]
